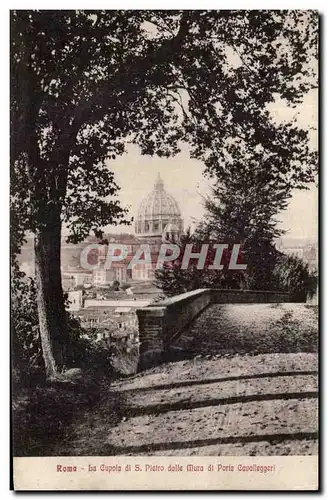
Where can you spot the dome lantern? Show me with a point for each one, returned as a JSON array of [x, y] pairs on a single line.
[[159, 184]]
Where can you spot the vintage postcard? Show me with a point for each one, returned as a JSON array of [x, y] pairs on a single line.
[[164, 249]]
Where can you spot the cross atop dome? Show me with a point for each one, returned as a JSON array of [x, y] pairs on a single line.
[[159, 184]]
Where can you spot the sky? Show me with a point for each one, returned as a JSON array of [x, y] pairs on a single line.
[[183, 178]]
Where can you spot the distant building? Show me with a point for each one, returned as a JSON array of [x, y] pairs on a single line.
[[77, 277], [109, 313], [112, 321], [117, 272], [75, 298], [68, 282], [108, 303], [304, 249], [158, 220]]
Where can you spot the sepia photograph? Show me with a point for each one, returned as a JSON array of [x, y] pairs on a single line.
[[164, 249]]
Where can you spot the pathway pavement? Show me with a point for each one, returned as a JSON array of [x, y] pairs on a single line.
[[223, 401]]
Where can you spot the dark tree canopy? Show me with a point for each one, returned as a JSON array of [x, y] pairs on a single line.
[[77, 93], [243, 62]]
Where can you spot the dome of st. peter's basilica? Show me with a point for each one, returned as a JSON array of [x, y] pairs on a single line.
[[158, 213]]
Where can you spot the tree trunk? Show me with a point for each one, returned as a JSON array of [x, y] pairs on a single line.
[[50, 299]]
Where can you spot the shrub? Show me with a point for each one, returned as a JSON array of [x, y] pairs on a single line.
[[267, 269], [292, 274], [27, 359], [116, 285]]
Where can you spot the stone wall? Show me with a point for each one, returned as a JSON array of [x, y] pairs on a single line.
[[160, 323], [182, 310], [151, 335]]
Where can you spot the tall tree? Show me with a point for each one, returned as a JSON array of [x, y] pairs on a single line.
[[257, 161], [244, 208], [259, 59], [253, 59], [81, 83]]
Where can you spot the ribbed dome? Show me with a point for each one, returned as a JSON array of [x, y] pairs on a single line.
[[158, 202], [157, 210]]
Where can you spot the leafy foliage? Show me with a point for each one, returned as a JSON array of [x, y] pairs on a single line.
[[292, 274], [173, 280], [82, 82], [243, 209], [26, 345], [267, 269]]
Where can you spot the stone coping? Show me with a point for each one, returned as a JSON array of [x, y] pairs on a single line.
[[182, 297], [200, 291], [151, 311]]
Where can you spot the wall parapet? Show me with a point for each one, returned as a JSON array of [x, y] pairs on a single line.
[[161, 323]]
